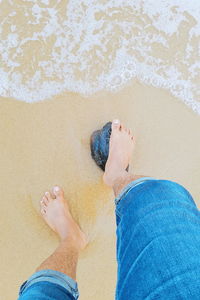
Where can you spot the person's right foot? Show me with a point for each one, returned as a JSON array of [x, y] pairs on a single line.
[[120, 150], [55, 212]]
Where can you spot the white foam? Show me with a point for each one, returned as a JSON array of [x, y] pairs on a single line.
[[90, 45]]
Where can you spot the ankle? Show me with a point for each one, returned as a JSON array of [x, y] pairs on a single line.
[[70, 243], [76, 239], [111, 179]]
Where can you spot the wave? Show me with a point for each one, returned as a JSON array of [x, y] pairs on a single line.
[[85, 46]]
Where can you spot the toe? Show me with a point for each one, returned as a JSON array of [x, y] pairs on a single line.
[[48, 196], [58, 192], [131, 134], [116, 124], [42, 205], [43, 211], [44, 201], [122, 128]]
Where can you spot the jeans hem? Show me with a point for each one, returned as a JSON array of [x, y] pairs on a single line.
[[129, 187], [52, 276]]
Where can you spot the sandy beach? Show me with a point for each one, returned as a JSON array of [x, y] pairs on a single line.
[[47, 143], [137, 61]]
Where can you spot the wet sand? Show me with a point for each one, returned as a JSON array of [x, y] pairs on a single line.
[[47, 143]]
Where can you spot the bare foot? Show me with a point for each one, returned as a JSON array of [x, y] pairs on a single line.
[[120, 150], [57, 215]]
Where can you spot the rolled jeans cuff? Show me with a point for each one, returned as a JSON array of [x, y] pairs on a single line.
[[52, 276], [130, 186]]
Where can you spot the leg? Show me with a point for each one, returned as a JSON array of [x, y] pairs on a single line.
[[57, 215], [64, 259], [55, 211], [123, 180], [158, 240]]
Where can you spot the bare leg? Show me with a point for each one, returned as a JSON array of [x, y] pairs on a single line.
[[122, 181], [55, 211], [120, 151]]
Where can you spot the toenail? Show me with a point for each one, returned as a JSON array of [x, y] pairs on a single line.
[[56, 189], [47, 194], [116, 121]]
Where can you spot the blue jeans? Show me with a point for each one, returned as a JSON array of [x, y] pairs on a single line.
[[158, 248]]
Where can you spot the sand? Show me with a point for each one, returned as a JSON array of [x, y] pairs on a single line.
[[47, 143]]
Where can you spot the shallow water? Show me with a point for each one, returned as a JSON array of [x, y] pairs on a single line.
[[50, 46]]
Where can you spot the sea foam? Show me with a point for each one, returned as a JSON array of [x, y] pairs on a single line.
[[50, 46]]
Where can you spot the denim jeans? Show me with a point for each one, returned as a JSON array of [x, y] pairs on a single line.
[[158, 248]]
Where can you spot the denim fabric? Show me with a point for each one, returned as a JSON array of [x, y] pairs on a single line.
[[49, 285], [158, 248], [158, 242], [129, 186], [45, 290]]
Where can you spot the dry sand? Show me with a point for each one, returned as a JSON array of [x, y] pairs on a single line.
[[47, 143]]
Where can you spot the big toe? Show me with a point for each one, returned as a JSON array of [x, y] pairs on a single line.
[[116, 125], [58, 192]]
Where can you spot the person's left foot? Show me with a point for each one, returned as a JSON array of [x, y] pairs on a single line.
[[55, 211]]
